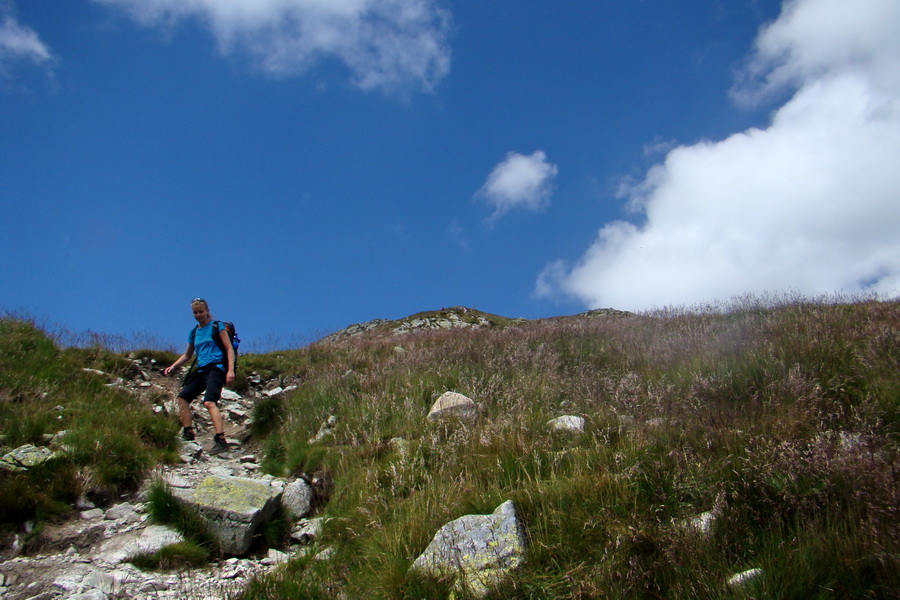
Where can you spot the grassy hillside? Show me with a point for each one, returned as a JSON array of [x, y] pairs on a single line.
[[110, 439], [783, 421]]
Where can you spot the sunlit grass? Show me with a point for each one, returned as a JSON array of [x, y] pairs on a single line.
[[781, 416]]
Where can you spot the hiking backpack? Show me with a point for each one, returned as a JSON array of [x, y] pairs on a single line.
[[232, 336]]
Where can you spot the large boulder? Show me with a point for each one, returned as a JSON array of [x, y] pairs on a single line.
[[455, 405], [478, 551], [233, 508]]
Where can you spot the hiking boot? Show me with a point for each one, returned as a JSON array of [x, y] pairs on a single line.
[[187, 434], [219, 445]]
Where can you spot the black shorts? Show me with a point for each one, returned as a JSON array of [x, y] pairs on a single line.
[[211, 379]]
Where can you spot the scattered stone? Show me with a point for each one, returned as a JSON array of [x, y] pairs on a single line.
[[221, 471], [400, 446], [478, 551], [124, 511], [84, 503], [190, 451], [176, 481], [567, 423], [325, 430], [25, 457], [701, 524], [275, 557], [297, 499], [744, 578], [147, 541], [453, 404], [307, 531], [325, 554]]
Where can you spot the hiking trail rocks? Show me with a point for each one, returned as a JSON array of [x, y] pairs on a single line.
[[86, 558], [233, 507]]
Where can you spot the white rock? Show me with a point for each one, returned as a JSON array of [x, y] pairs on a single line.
[[275, 557], [307, 530], [744, 578], [453, 404], [569, 423], [124, 511], [147, 541], [297, 498]]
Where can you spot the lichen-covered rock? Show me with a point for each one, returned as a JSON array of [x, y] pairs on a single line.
[[477, 550], [233, 507], [453, 404], [26, 457]]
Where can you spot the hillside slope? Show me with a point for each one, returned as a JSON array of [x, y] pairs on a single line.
[[761, 438]]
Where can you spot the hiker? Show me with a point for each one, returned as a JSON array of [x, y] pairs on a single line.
[[214, 368]]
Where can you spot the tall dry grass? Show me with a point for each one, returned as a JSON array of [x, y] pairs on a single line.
[[781, 417]]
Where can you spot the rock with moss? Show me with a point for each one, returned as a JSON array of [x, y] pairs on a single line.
[[233, 507], [25, 457], [477, 551]]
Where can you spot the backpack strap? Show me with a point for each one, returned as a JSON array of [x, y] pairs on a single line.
[[216, 330]]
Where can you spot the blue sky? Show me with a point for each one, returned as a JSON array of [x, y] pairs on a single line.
[[308, 164]]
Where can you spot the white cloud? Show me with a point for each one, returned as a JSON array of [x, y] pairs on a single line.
[[519, 182], [19, 44], [391, 45], [809, 204]]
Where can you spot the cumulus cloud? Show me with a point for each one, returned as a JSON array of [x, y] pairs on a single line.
[[390, 45], [519, 182], [19, 44], [808, 204]]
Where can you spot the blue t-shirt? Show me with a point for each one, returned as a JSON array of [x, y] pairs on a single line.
[[205, 346]]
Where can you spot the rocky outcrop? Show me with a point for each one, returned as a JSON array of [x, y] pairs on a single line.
[[606, 312], [455, 317], [477, 551]]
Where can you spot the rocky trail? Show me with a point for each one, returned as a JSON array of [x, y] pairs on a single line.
[[86, 556]]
